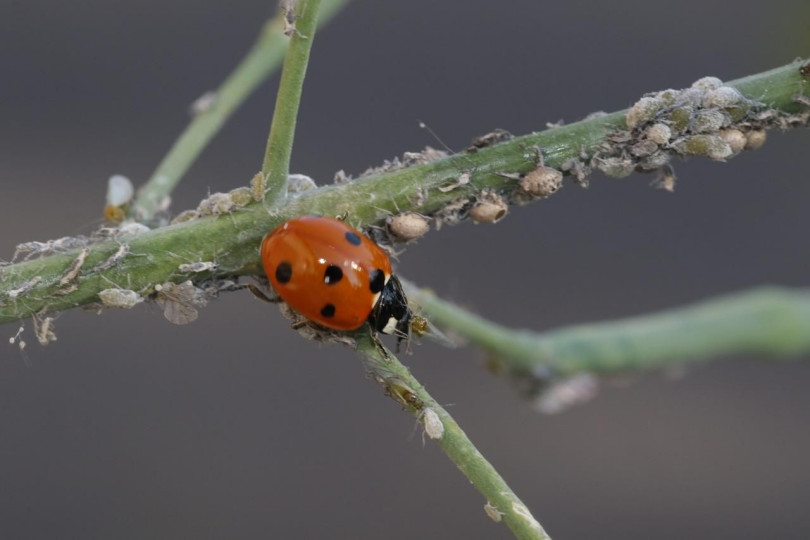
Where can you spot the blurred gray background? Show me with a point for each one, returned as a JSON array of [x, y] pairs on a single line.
[[234, 427]]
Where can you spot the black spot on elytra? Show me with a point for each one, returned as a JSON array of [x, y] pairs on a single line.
[[376, 280], [353, 238], [328, 310], [283, 272], [332, 275]]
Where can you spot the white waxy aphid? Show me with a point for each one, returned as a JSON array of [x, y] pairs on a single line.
[[723, 97], [643, 110], [298, 183], [567, 393], [120, 298], [216, 204], [735, 139], [132, 229], [659, 133], [615, 167], [434, 428], [204, 103], [493, 512], [119, 190], [707, 83]]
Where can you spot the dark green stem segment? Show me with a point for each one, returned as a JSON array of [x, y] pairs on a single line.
[[276, 165], [769, 321], [502, 501], [262, 60], [232, 240]]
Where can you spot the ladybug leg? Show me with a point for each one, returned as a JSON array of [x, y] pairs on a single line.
[[406, 337], [375, 337], [258, 293]]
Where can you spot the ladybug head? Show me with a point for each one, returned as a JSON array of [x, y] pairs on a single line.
[[391, 314]]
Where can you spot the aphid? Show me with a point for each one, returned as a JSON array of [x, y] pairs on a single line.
[[119, 194], [203, 104], [258, 185], [403, 394], [419, 325], [493, 512], [408, 226], [120, 298], [434, 428], [490, 208], [566, 393], [335, 276]]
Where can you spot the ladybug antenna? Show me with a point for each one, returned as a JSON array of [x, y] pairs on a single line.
[[440, 141]]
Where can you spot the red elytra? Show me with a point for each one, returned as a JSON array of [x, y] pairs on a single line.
[[334, 275]]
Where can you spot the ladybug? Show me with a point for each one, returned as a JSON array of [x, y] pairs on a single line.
[[335, 276]]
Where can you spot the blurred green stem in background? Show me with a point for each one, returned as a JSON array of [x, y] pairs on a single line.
[[260, 62], [769, 321]]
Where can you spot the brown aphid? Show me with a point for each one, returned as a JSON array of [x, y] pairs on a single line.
[[490, 208], [408, 226], [541, 182], [755, 139]]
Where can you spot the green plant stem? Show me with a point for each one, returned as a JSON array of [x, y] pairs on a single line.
[[276, 165], [233, 240], [385, 367], [262, 60], [768, 321]]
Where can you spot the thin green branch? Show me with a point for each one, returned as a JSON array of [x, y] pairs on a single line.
[[502, 503], [276, 165], [769, 321], [232, 240], [262, 60]]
